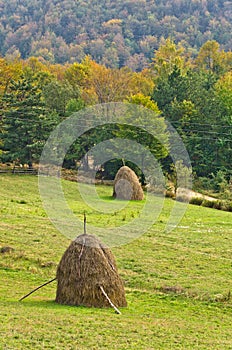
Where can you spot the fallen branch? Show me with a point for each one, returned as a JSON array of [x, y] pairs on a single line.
[[110, 302], [27, 295]]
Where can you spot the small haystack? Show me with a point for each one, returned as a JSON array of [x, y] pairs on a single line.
[[127, 185], [87, 275]]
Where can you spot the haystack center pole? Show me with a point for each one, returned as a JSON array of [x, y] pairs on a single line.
[[110, 302], [42, 285], [84, 224]]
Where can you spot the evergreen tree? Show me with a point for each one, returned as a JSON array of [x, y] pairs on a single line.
[[25, 125]]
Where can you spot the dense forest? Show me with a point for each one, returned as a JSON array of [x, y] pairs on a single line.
[[114, 33], [194, 94]]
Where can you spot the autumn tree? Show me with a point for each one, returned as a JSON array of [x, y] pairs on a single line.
[[109, 85], [212, 58], [168, 57], [8, 71]]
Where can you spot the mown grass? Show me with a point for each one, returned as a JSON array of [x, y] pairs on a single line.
[[178, 284]]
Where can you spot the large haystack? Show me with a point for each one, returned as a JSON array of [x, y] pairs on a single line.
[[85, 268], [127, 185]]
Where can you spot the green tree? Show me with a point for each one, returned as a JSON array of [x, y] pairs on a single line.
[[189, 103], [147, 118], [223, 89], [25, 123], [58, 94], [223, 126], [172, 87]]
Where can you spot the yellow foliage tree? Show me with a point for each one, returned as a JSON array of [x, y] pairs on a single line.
[[212, 58], [169, 56]]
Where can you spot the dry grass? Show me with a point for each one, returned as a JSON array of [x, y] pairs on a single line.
[[127, 186], [85, 266]]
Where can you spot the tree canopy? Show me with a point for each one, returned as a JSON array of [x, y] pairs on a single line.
[[194, 94], [115, 33]]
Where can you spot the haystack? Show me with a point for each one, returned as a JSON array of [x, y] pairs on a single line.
[[127, 185], [87, 275]]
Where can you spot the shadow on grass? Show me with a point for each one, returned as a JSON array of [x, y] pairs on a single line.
[[51, 305], [112, 199], [107, 198]]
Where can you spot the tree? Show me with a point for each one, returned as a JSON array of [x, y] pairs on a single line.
[[145, 101], [189, 103], [223, 89], [223, 126], [78, 76], [211, 58], [25, 123], [109, 85], [114, 33], [105, 85], [172, 87], [146, 119], [8, 71], [168, 57], [58, 94]]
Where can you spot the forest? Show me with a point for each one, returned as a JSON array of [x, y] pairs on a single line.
[[193, 93], [113, 33]]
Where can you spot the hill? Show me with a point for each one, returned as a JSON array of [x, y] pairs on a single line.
[[115, 33], [177, 284]]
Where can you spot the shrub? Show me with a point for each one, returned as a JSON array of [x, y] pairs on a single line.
[[196, 200], [203, 183], [208, 203], [170, 194], [183, 198], [218, 205], [227, 206]]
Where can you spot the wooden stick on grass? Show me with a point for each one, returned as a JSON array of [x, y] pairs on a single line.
[[110, 302], [42, 285]]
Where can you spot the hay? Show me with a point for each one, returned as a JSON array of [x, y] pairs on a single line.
[[85, 267], [126, 185]]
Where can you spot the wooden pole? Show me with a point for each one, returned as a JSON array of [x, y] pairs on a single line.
[[84, 223], [110, 302], [42, 285]]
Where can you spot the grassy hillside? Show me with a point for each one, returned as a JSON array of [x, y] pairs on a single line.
[[177, 285]]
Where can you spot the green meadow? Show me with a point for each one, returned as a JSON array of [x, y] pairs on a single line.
[[178, 284]]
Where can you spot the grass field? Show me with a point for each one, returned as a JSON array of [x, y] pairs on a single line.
[[178, 284]]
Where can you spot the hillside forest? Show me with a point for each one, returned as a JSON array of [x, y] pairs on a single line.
[[194, 94], [114, 33]]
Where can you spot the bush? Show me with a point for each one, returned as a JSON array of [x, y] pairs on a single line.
[[170, 194], [203, 183], [219, 183], [227, 206], [196, 200], [183, 198], [208, 203], [218, 205]]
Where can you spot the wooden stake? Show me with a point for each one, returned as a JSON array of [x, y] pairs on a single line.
[[83, 244], [110, 302], [42, 285], [84, 224]]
